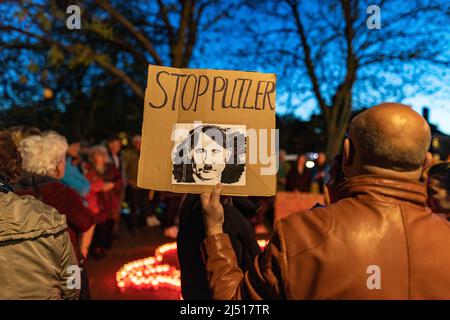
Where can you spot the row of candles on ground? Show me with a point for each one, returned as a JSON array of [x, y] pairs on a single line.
[[151, 273]]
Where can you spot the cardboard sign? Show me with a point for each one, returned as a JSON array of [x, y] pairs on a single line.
[[203, 126]]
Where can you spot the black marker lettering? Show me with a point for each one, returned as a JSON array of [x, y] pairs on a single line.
[[246, 95], [216, 90], [162, 88], [241, 90], [178, 75], [198, 89], [267, 94], [230, 105], [184, 90], [257, 94]]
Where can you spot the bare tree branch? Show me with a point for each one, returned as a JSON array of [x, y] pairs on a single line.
[[130, 27], [97, 58], [165, 17], [307, 58]]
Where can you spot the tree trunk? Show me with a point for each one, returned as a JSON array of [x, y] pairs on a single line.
[[335, 137], [178, 49], [337, 123]]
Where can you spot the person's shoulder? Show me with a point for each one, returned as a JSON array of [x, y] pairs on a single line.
[[129, 152], [32, 205], [306, 229], [66, 192], [57, 189], [439, 220], [29, 217]]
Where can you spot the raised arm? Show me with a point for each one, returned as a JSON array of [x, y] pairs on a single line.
[[265, 280]]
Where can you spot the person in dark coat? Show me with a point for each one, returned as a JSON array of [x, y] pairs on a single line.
[[194, 282], [104, 196], [299, 177], [438, 189], [114, 147]]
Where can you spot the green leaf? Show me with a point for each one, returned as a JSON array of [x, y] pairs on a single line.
[[55, 56], [44, 21], [102, 57], [23, 79], [44, 74], [21, 15], [33, 67], [83, 56], [101, 28]]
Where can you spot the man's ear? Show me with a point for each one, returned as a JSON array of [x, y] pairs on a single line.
[[427, 162], [347, 153], [60, 169]]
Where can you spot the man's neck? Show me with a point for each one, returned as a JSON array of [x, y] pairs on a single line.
[[369, 169]]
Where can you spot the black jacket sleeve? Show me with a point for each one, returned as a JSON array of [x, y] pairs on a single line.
[[194, 282]]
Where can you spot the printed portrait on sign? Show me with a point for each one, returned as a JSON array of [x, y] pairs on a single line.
[[206, 154]]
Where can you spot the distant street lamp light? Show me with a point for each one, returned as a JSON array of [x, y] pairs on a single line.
[[123, 138], [310, 164], [435, 143], [48, 93]]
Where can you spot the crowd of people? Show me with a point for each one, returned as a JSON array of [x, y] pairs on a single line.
[[91, 186], [50, 183], [308, 173]]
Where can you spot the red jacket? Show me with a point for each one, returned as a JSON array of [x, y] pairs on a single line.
[[103, 203]]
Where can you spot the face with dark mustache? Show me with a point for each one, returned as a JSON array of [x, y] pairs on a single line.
[[209, 160]]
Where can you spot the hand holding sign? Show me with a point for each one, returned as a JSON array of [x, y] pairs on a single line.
[[213, 214]]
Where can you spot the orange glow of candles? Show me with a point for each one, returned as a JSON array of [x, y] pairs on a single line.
[[150, 273]]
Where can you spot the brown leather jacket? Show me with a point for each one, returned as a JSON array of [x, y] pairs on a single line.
[[379, 241]]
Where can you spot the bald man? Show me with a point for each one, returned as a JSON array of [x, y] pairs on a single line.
[[377, 240]]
